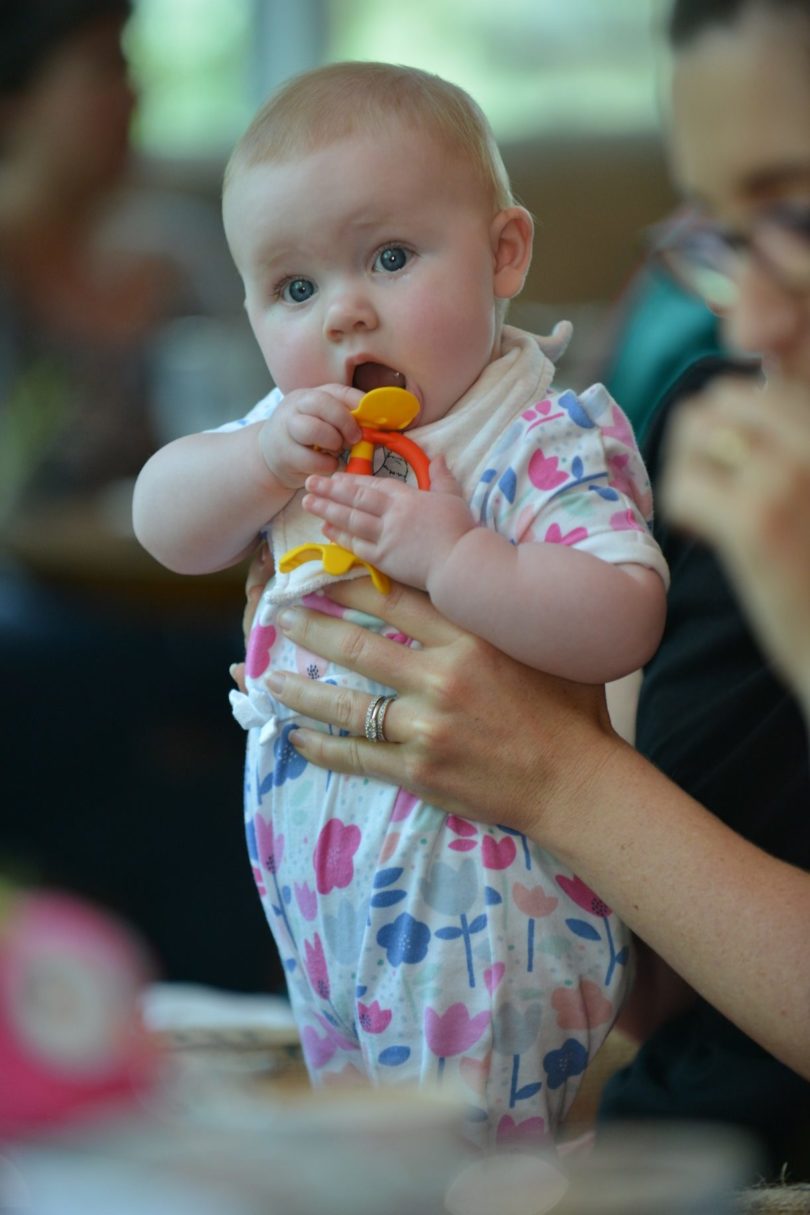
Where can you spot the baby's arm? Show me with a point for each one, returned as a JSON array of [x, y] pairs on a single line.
[[201, 501], [558, 608]]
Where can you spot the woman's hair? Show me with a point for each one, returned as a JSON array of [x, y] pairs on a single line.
[[329, 103], [690, 18], [31, 29]]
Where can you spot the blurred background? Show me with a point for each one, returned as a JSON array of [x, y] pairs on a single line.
[[121, 327]]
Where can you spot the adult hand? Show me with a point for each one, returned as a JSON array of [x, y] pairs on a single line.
[[738, 475], [472, 730]]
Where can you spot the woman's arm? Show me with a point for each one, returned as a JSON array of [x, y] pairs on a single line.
[[483, 736]]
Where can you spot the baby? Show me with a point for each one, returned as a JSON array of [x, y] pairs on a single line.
[[371, 219]]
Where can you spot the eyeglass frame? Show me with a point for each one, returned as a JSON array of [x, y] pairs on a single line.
[[669, 247]]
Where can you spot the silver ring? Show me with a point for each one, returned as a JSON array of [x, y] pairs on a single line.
[[375, 717], [370, 726], [380, 718]]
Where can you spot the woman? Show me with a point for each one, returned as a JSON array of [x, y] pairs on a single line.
[[664, 842]]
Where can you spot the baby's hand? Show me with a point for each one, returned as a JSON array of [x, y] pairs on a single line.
[[403, 531], [308, 431]]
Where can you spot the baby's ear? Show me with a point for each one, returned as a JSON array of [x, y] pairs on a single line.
[[512, 234]]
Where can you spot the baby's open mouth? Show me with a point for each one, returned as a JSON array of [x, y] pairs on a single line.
[[368, 376]]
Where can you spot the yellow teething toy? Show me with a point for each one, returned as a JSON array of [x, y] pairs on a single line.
[[381, 414]]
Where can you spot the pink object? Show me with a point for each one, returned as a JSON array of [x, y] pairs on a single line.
[[454, 1031], [533, 901], [260, 643], [498, 854], [71, 1034], [334, 855]]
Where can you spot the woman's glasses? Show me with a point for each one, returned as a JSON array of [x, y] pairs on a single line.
[[707, 259]]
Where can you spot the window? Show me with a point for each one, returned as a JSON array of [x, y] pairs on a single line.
[[534, 65]]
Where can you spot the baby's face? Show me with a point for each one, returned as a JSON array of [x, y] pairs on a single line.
[[368, 262]]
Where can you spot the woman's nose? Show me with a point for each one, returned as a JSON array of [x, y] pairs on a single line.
[[350, 310], [767, 319]]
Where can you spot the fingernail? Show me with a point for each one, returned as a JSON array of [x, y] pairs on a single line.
[[233, 670], [275, 680], [287, 619], [298, 738]]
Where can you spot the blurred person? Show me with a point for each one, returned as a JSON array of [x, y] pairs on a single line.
[[106, 766], [704, 843]]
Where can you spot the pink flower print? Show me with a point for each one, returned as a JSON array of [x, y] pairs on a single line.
[[618, 475], [261, 640], [626, 521], [403, 805], [372, 1018], [317, 1050], [493, 976], [582, 1007], [390, 845], [544, 471], [582, 895], [319, 602], [528, 1133], [315, 962], [336, 846], [536, 904], [498, 854], [554, 535], [461, 827], [454, 1031], [306, 899], [539, 413], [401, 638], [533, 902], [621, 428], [270, 847]]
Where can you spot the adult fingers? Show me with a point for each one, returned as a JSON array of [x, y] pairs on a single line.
[[337, 706], [354, 647], [408, 611]]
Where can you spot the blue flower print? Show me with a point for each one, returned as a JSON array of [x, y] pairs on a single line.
[[451, 890], [405, 940], [289, 764], [570, 1060], [344, 931], [576, 410]]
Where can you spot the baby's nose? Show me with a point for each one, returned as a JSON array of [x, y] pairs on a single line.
[[349, 311]]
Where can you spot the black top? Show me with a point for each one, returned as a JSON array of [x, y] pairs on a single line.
[[719, 722]]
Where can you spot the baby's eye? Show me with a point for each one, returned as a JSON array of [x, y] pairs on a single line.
[[392, 258], [297, 290]]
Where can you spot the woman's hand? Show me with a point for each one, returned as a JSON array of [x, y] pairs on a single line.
[[471, 731], [738, 475]]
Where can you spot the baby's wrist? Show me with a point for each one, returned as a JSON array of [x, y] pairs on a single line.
[[284, 474]]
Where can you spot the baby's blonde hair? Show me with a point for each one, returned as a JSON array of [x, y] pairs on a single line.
[[330, 103]]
